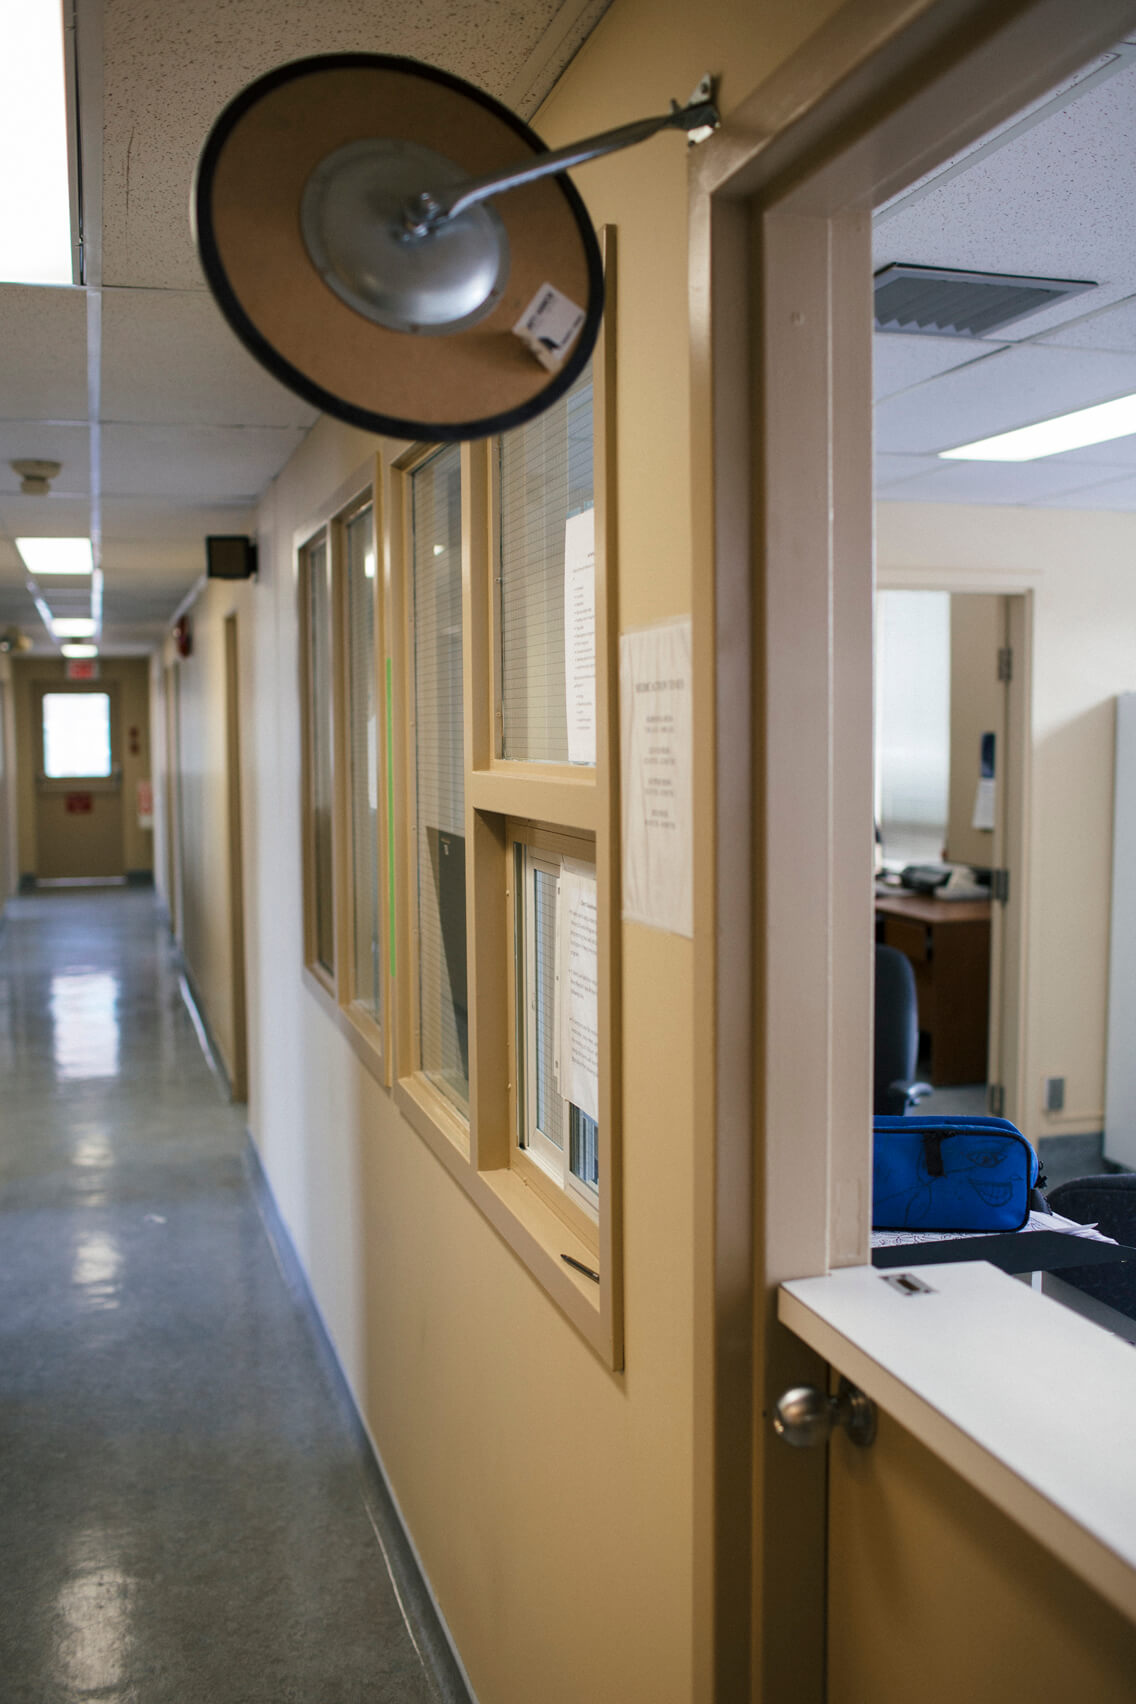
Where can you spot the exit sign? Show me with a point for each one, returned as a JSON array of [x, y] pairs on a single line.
[[82, 668]]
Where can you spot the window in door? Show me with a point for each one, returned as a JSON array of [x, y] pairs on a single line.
[[76, 735]]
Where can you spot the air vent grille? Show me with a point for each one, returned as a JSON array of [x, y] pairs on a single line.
[[941, 301]]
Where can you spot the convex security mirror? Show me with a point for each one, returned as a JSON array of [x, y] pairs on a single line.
[[400, 249]]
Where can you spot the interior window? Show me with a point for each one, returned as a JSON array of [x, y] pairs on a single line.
[[76, 735]]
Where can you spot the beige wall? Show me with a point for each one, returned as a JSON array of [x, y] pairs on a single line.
[[131, 676], [203, 830], [1079, 568], [469, 1377]]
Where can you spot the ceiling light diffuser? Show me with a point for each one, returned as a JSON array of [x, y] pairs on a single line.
[[56, 555], [1097, 425], [79, 650], [73, 627], [35, 201]]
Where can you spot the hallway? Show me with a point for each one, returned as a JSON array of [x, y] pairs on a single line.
[[189, 1513]]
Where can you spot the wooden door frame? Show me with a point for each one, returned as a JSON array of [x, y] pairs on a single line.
[[781, 411]]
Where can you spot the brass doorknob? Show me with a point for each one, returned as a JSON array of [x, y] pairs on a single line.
[[805, 1416]]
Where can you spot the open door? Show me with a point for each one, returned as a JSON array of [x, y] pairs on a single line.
[[982, 1547]]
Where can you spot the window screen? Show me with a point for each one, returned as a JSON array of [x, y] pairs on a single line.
[[440, 773], [547, 644], [363, 733], [320, 771], [76, 734]]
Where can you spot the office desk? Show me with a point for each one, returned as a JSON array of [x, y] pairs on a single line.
[[948, 943]]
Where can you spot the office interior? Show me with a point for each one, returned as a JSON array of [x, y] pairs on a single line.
[[592, 1512]]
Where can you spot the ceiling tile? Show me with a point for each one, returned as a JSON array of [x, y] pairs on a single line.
[[188, 461], [44, 517], [43, 353], [890, 469], [1054, 202], [1013, 388], [169, 356], [900, 360], [989, 482], [45, 441], [1113, 494], [1114, 329], [169, 72]]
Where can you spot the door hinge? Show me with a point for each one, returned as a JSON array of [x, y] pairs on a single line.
[[996, 1095], [1000, 885], [1006, 663]]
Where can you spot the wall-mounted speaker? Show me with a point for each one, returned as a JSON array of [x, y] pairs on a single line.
[[230, 556]]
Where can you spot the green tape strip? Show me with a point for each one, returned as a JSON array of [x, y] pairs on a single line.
[[390, 823]]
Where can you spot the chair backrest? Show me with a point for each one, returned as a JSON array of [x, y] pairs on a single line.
[[897, 1028]]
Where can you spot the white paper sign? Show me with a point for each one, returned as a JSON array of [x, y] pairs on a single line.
[[580, 635], [983, 803], [549, 325], [577, 981], [658, 832]]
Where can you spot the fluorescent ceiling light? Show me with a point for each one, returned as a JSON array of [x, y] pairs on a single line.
[[73, 627], [56, 555], [35, 201], [1049, 437], [79, 650]]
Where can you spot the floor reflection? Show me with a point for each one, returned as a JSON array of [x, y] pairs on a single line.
[[93, 1643], [97, 1270], [84, 1015]]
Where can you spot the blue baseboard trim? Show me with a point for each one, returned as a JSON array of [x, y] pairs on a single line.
[[419, 1607]]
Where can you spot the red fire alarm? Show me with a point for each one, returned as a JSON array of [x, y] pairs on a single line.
[[183, 636]]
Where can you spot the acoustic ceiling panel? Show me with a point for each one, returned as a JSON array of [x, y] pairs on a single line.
[[1013, 388], [990, 482], [899, 361], [1114, 494], [43, 353], [206, 377], [1112, 329], [187, 461]]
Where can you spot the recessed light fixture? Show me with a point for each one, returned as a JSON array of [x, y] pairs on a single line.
[[56, 555], [73, 627], [35, 200], [79, 650], [1097, 425]]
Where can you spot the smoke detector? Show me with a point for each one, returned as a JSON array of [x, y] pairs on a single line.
[[36, 476], [11, 639]]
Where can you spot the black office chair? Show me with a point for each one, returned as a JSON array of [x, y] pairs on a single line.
[[1109, 1202], [897, 1035]]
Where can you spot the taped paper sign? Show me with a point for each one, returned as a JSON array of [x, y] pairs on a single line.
[[580, 635], [658, 831], [548, 326], [577, 984]]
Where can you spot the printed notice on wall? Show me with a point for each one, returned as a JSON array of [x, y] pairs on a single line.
[[577, 983], [580, 635], [658, 834]]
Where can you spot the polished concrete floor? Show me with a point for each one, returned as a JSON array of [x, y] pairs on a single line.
[[187, 1514]]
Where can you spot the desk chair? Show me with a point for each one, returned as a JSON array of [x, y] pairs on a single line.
[[1108, 1201], [897, 1035]]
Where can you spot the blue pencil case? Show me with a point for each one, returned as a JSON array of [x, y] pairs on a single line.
[[951, 1174]]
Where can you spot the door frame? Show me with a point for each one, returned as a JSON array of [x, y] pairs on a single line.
[[780, 216], [1007, 1061]]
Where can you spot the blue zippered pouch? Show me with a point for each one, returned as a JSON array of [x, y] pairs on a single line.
[[951, 1174]]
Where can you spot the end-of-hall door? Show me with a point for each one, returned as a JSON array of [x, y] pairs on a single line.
[[79, 822]]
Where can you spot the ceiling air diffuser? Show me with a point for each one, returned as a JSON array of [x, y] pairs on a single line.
[[940, 301]]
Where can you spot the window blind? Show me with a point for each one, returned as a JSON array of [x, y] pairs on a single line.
[[545, 476], [440, 773], [363, 739], [320, 778]]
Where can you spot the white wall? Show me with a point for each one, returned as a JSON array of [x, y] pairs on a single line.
[[1080, 569]]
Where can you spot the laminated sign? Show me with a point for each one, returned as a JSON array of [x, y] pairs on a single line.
[[658, 835]]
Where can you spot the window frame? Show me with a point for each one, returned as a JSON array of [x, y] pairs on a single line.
[[573, 803], [323, 974], [368, 1037]]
